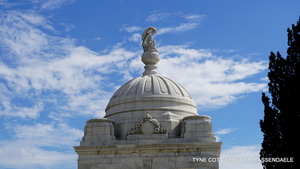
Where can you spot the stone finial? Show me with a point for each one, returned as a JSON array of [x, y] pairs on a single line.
[[150, 56]]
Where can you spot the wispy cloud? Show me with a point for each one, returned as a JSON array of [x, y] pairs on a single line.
[[190, 21], [43, 62], [38, 4], [224, 131], [40, 135], [53, 4], [157, 16], [215, 79], [265, 79], [194, 17], [181, 28], [29, 142], [37, 20], [135, 37], [9, 109], [30, 156], [130, 28]]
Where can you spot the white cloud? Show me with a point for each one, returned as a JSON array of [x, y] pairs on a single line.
[[181, 28], [194, 17], [24, 112], [53, 134], [10, 109], [131, 29], [157, 16], [248, 153], [191, 21], [181, 54], [60, 117], [31, 142], [30, 156], [224, 131], [53, 4], [73, 76], [215, 80], [96, 39], [265, 79], [135, 37], [23, 40], [37, 20], [54, 64], [6, 4]]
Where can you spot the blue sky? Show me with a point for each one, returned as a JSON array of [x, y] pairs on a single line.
[[61, 61]]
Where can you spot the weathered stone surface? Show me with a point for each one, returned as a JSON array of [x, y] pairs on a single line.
[[148, 156], [195, 127], [147, 128], [98, 132]]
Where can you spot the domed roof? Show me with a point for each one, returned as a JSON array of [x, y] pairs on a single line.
[[150, 86], [150, 91], [161, 92]]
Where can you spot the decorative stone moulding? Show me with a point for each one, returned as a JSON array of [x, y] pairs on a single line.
[[202, 117], [148, 126], [99, 120]]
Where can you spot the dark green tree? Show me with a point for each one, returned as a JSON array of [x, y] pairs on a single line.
[[281, 123]]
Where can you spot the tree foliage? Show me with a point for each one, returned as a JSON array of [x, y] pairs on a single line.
[[282, 114]]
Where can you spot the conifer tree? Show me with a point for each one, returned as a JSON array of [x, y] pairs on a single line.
[[281, 123]]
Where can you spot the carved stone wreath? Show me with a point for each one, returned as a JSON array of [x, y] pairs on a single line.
[[148, 126]]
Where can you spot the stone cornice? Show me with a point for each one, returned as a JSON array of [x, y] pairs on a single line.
[[99, 120], [161, 148], [196, 117]]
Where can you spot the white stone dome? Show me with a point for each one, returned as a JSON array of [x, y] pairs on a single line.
[[161, 97], [151, 92]]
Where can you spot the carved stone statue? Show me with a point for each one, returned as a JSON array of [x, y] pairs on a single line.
[[148, 42], [150, 56]]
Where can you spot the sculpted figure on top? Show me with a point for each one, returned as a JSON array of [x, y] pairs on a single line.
[[148, 42]]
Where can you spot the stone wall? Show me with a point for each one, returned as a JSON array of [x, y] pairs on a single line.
[[148, 156]]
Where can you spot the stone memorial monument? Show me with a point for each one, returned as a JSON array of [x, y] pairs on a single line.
[[151, 122]]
